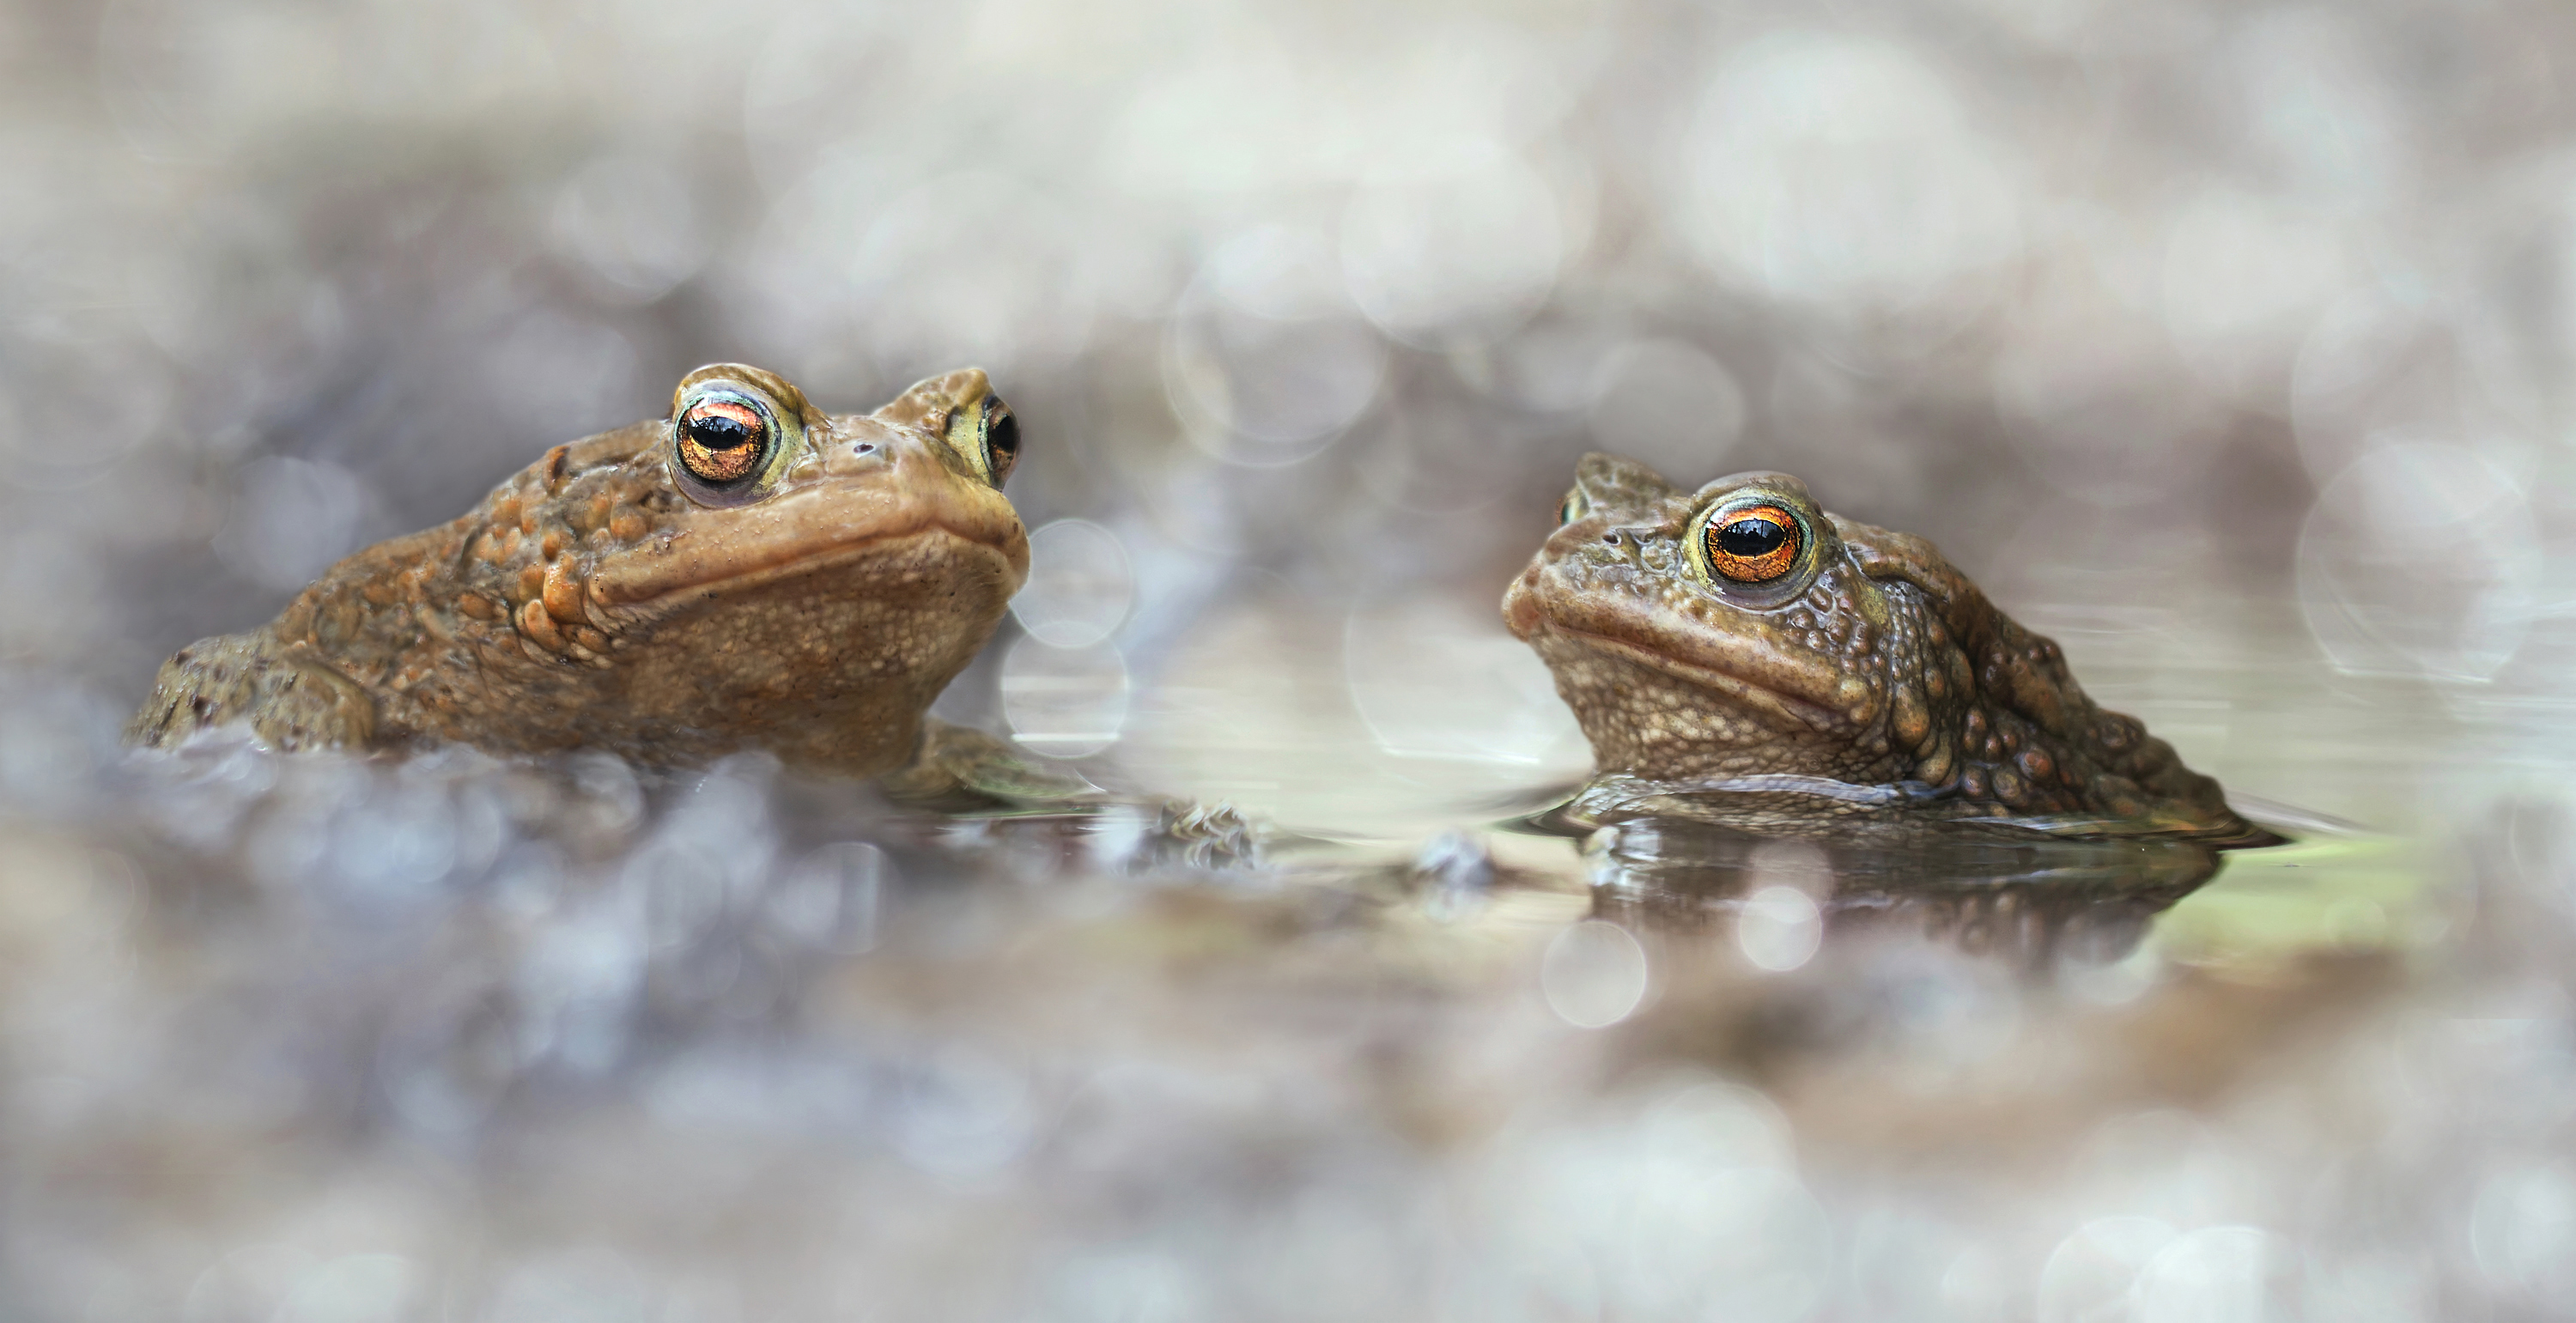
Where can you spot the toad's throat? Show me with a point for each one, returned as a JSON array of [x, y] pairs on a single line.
[[1783, 708]]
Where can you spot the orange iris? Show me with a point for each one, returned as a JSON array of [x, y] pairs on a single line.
[[1755, 544], [720, 440]]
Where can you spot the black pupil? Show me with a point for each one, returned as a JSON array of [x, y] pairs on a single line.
[[714, 431], [1003, 434], [1751, 538]]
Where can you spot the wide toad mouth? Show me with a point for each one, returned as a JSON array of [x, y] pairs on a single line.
[[824, 560], [803, 533], [1784, 708], [1744, 662]]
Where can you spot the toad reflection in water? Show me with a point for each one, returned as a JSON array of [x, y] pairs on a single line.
[[2038, 906], [1743, 660], [747, 573]]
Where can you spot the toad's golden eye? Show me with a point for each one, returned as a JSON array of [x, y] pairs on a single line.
[[735, 434], [1573, 507], [723, 441], [1755, 544]]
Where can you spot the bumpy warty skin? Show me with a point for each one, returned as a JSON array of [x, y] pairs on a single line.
[[588, 602], [1889, 668]]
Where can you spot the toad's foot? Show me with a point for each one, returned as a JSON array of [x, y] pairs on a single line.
[[962, 770]]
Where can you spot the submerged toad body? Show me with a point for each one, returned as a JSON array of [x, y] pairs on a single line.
[[1739, 638], [749, 572]]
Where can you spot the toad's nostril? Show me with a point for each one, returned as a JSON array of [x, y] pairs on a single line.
[[864, 448]]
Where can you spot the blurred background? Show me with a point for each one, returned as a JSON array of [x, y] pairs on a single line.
[[2232, 345]]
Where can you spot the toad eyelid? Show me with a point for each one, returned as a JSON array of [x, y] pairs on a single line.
[[1740, 500]]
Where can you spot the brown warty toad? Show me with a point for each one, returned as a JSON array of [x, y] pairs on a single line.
[[747, 573], [1738, 646]]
